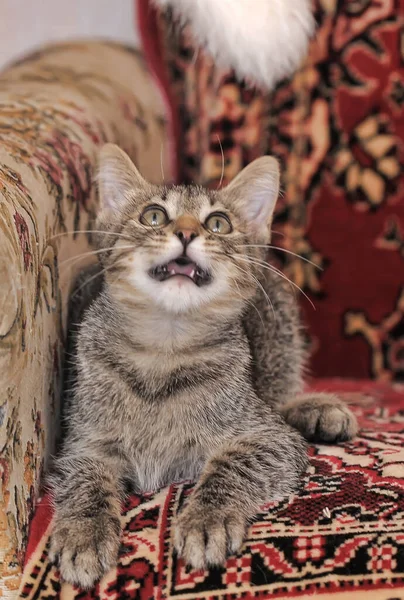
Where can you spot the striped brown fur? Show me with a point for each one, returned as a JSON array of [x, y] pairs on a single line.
[[175, 380]]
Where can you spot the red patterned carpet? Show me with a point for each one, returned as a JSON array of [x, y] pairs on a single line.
[[342, 536]]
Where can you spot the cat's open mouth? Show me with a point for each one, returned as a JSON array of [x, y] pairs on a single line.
[[181, 266]]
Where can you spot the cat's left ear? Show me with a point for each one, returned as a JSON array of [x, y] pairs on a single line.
[[118, 179], [254, 192]]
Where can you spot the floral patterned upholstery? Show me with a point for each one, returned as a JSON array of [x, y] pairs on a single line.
[[56, 108]]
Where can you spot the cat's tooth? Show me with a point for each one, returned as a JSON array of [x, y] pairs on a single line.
[[192, 275], [172, 272]]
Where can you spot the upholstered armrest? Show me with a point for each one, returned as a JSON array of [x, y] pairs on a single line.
[[56, 108]]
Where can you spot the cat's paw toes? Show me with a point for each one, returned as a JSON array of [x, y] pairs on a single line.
[[204, 538], [321, 418], [85, 549]]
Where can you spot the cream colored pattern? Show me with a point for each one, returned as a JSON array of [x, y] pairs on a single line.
[[56, 108]]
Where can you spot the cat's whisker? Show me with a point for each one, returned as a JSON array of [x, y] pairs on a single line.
[[281, 250], [249, 302], [221, 150], [161, 161], [266, 295], [295, 286], [92, 252], [74, 231], [147, 230], [265, 265], [260, 285], [86, 282], [90, 279], [238, 292]]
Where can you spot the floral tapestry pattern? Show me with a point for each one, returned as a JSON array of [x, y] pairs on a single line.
[[338, 129], [56, 108]]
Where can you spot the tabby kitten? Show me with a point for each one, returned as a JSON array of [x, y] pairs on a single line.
[[189, 367]]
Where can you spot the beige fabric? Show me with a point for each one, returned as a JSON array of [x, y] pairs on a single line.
[[56, 108]]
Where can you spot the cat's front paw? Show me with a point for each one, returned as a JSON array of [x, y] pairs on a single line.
[[85, 548], [321, 417], [204, 536]]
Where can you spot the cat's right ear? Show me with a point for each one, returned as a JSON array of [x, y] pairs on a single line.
[[117, 179], [253, 193]]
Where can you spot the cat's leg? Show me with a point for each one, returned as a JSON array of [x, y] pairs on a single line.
[[244, 474], [278, 367], [86, 531], [320, 417]]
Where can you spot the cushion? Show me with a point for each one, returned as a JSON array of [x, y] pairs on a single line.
[[341, 537], [56, 108]]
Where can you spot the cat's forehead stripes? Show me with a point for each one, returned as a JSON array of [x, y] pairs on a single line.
[[163, 195], [182, 200]]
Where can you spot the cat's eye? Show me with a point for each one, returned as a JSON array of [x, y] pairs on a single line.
[[154, 216], [218, 223]]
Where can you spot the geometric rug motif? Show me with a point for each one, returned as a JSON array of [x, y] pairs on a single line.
[[341, 536]]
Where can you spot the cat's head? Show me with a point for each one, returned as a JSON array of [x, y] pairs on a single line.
[[183, 247]]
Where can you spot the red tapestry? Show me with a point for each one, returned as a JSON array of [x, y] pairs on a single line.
[[341, 536], [338, 128]]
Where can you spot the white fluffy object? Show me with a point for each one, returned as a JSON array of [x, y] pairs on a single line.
[[262, 40]]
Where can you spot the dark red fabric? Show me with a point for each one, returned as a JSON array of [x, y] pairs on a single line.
[[338, 128], [43, 517], [360, 82], [343, 532], [153, 51]]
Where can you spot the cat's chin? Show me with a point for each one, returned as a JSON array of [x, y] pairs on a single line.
[[179, 294]]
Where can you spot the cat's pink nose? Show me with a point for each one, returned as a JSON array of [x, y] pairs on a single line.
[[186, 229], [186, 235]]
